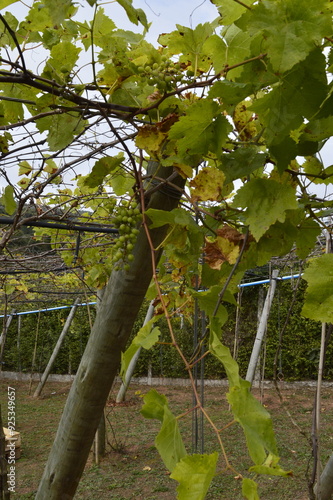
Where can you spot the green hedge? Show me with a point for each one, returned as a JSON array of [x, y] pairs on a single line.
[[43, 331], [298, 360]]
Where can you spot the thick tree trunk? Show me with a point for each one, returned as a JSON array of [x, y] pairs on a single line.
[[326, 481], [122, 299]]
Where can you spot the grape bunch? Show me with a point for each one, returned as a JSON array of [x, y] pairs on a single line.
[[164, 74], [126, 218]]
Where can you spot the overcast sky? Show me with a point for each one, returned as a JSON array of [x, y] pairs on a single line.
[[165, 14]]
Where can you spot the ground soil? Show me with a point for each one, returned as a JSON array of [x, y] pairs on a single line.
[[132, 467]]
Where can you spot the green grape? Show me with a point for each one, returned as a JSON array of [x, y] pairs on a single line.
[[118, 255]]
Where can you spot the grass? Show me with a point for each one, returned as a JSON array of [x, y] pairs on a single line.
[[132, 467]]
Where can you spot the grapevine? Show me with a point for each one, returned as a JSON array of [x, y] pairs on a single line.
[[165, 74], [126, 219]]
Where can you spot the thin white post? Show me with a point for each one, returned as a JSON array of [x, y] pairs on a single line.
[[4, 335], [323, 491], [131, 367], [261, 328], [56, 349]]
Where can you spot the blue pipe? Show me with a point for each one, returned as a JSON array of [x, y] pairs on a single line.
[[242, 285], [45, 310], [261, 282]]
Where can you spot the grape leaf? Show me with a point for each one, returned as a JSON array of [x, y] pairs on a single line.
[[5, 3], [188, 42], [207, 301], [102, 168], [63, 58], [168, 441], [121, 183], [103, 28], [230, 92], [317, 130], [215, 48], [284, 108], [222, 353], [247, 410], [239, 48], [242, 162], [62, 129], [134, 15], [290, 29], [25, 168], [194, 474], [146, 337], [150, 139], [154, 404], [255, 421], [207, 185], [59, 10], [8, 200], [318, 304], [230, 11], [266, 202], [250, 489], [176, 216], [202, 129]]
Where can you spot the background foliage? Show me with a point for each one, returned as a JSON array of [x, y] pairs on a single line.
[[299, 356]]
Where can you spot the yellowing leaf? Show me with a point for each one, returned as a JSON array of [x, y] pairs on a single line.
[[25, 168], [244, 121], [219, 251], [184, 170], [8, 200], [224, 248], [207, 185], [149, 139], [50, 166]]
